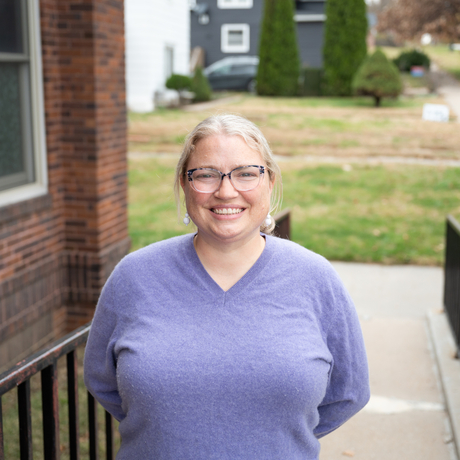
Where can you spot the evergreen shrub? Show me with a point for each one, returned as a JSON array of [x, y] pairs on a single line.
[[178, 82], [200, 86], [279, 66], [377, 77], [344, 44], [410, 58]]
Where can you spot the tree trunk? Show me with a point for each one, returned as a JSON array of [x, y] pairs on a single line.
[[377, 101]]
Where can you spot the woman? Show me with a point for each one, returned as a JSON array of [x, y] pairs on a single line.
[[228, 343]]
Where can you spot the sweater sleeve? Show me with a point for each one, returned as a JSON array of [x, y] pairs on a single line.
[[100, 360], [348, 386]]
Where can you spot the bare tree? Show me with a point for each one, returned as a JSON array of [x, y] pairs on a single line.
[[409, 19], [377, 6]]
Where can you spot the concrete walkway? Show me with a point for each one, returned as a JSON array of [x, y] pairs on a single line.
[[448, 87], [407, 417]]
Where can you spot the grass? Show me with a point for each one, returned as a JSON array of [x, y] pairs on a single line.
[[386, 214], [383, 214], [314, 127]]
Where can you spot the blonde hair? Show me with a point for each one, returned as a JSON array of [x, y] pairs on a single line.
[[232, 125]]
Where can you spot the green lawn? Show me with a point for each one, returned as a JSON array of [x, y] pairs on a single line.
[[385, 214]]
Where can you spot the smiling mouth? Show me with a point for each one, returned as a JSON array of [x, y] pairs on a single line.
[[226, 211]]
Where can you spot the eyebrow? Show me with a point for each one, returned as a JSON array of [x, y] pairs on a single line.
[[217, 169]]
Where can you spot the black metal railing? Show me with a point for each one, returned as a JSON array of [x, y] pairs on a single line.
[[45, 362], [452, 277], [283, 224]]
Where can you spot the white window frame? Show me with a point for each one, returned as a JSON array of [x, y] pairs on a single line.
[[234, 4], [39, 186], [229, 48], [169, 53], [309, 17]]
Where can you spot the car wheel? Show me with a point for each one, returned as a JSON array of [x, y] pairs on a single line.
[[252, 86]]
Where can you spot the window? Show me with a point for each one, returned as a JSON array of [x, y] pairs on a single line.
[[169, 61], [234, 4], [235, 38], [22, 133]]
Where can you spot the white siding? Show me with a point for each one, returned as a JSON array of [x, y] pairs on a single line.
[[150, 27]]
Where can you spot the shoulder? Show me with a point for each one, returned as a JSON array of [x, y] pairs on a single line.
[[304, 267], [156, 251], [161, 256], [289, 253]]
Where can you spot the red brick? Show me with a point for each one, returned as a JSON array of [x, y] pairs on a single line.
[[83, 220]]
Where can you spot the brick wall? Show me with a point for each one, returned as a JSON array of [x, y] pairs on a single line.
[[57, 251]]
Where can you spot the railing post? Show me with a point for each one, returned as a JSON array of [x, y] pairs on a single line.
[[452, 277], [92, 425], [25, 421], [283, 224], [2, 448], [109, 444], [72, 394], [50, 402]]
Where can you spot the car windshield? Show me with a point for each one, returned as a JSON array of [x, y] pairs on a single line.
[[246, 69], [228, 63]]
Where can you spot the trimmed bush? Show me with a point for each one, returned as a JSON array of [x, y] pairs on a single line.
[[178, 82], [279, 67], [200, 86], [410, 58], [377, 77], [311, 82], [344, 44]]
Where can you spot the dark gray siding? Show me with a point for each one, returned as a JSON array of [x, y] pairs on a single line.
[[310, 34], [208, 36], [310, 7], [310, 39]]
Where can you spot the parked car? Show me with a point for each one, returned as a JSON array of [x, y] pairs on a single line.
[[233, 73]]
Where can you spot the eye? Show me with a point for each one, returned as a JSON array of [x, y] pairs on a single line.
[[204, 175], [246, 173]]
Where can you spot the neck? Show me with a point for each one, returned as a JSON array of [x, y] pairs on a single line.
[[227, 263]]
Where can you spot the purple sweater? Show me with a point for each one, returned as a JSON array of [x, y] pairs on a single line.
[[195, 373]]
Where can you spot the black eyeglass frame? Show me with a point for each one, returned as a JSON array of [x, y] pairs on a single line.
[[222, 175]]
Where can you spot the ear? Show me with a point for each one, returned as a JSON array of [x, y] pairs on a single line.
[[182, 183]]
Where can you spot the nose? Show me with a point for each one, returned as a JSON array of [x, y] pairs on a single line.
[[226, 189]]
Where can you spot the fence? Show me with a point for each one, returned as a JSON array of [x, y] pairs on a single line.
[[45, 362], [452, 277]]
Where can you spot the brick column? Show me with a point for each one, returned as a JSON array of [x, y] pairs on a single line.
[[93, 147]]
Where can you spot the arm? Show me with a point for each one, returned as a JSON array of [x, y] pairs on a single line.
[[100, 360], [348, 387]]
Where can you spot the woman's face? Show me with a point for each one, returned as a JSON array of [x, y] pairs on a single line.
[[225, 153]]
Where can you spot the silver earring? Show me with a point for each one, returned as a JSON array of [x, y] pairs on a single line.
[[186, 219], [268, 220]]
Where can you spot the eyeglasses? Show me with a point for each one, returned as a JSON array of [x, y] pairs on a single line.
[[209, 180]]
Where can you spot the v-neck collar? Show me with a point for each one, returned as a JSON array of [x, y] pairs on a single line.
[[205, 280]]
